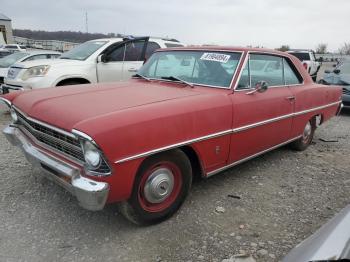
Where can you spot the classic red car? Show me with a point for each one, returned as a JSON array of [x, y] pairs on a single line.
[[188, 112]]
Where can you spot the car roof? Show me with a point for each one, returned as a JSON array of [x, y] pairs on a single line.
[[225, 48]]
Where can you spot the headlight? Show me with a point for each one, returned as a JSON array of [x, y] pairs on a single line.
[[14, 115], [91, 154], [35, 71]]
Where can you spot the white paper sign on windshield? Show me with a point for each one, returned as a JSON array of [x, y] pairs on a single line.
[[222, 58]]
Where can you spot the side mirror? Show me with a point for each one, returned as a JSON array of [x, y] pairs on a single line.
[[102, 58], [260, 87], [336, 71]]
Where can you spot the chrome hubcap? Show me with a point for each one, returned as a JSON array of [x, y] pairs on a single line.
[[307, 131], [159, 185]]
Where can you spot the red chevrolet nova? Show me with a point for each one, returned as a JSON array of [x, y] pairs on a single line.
[[188, 112]]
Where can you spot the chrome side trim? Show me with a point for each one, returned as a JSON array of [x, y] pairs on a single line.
[[268, 121], [317, 108], [5, 101], [83, 135], [151, 152], [46, 125], [250, 157], [222, 133]]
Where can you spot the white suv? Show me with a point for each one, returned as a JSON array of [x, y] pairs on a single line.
[[101, 60]]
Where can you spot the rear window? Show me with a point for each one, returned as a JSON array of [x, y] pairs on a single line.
[[302, 56]]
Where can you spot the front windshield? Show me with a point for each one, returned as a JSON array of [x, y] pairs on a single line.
[[9, 60], [83, 51], [209, 68]]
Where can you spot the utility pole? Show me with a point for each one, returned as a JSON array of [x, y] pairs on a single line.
[[86, 22]]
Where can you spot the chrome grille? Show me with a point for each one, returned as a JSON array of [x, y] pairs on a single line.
[[65, 144], [346, 91], [58, 141]]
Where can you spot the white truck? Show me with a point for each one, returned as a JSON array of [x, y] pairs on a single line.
[[309, 61], [101, 60]]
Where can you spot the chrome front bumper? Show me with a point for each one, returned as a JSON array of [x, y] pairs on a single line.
[[91, 195]]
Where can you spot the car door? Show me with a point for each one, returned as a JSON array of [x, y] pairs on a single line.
[[121, 60], [261, 120]]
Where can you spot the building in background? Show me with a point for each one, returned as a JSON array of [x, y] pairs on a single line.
[[54, 45], [5, 30]]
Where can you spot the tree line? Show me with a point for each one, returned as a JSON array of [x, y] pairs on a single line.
[[322, 48], [69, 36]]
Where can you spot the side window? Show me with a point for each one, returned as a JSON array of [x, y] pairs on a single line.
[[260, 67], [134, 50], [117, 55], [291, 76], [151, 47], [266, 68], [244, 82]]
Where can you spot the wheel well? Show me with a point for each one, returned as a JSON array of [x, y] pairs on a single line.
[[318, 120], [73, 80], [195, 162]]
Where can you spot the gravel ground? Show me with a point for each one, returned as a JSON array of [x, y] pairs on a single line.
[[263, 207]]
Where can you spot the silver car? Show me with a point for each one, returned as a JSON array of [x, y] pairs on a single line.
[[340, 75], [9, 60]]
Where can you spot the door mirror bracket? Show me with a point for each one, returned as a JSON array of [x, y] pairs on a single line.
[[260, 87]]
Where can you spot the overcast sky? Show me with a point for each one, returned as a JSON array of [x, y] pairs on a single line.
[[268, 23]]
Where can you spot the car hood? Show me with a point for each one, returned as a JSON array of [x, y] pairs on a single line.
[[65, 107], [3, 72], [337, 79], [50, 62]]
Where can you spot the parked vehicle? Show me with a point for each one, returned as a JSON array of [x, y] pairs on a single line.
[[9, 60], [330, 243], [340, 75], [4, 53], [14, 48], [102, 60], [187, 112], [309, 61]]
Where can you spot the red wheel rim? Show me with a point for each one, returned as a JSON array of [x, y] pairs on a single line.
[[159, 187]]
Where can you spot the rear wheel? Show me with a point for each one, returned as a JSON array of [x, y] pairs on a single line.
[[305, 140], [161, 185]]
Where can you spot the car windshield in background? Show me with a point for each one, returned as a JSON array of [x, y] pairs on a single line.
[[83, 51], [11, 47], [302, 56], [9, 60], [209, 68]]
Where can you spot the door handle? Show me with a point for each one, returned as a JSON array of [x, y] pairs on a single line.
[[290, 98], [132, 69]]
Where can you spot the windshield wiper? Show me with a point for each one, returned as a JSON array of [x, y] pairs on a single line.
[[174, 78], [141, 76]]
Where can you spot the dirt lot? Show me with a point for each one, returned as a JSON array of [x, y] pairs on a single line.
[[270, 204]]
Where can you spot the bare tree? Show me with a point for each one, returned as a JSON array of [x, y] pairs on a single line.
[[321, 48], [345, 49], [283, 48]]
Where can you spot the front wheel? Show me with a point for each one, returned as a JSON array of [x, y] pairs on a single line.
[[161, 185], [305, 140]]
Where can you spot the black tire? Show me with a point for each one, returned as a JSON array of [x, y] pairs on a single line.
[[138, 209], [303, 142]]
